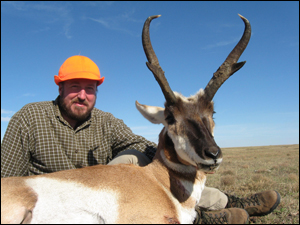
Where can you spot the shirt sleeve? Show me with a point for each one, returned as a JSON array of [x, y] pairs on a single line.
[[125, 139], [14, 154]]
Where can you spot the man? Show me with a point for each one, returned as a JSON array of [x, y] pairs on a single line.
[[70, 133]]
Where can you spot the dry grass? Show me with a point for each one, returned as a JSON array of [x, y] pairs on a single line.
[[248, 170]]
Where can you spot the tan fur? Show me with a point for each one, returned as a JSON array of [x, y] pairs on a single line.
[[17, 200], [147, 194]]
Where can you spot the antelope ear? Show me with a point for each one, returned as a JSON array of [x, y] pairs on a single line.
[[154, 114]]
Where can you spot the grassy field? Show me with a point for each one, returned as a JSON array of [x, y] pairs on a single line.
[[247, 170]]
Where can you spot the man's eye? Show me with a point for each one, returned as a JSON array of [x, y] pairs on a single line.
[[90, 90]]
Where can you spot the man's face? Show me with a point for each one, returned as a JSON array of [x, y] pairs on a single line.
[[77, 98]]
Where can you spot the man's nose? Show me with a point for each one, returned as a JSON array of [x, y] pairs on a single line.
[[82, 94]]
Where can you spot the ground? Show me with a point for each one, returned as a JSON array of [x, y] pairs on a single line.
[[247, 170]]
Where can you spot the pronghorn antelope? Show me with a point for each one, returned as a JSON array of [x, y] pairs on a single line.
[[165, 191]]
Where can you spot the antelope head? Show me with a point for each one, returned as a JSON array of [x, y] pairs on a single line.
[[188, 121]]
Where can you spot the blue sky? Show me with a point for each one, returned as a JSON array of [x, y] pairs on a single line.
[[258, 105]]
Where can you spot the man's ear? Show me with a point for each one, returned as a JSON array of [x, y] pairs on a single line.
[[60, 88]]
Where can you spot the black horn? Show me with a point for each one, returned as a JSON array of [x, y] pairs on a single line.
[[153, 63], [230, 65]]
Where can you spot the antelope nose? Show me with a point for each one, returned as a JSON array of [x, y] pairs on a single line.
[[212, 152]]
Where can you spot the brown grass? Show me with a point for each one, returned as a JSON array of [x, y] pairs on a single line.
[[248, 170]]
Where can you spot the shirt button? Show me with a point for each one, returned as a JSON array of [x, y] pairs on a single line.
[[76, 151]]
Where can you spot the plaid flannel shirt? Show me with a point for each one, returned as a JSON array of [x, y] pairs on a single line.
[[39, 140]]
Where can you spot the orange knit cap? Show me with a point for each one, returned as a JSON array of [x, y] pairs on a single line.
[[78, 67]]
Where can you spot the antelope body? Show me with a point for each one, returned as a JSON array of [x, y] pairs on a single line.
[[165, 191]]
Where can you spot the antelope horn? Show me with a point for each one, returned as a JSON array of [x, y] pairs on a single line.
[[230, 65], [153, 64]]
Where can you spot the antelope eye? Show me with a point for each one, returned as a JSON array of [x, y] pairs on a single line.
[[213, 114], [170, 119]]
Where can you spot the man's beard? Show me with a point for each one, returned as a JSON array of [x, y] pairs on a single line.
[[67, 111]]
